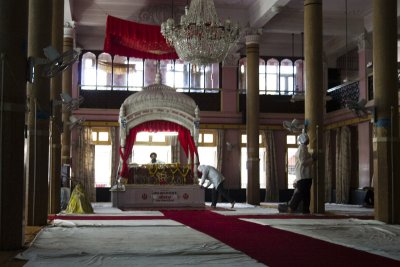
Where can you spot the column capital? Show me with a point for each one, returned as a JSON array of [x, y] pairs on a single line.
[[252, 39], [252, 35], [69, 29]]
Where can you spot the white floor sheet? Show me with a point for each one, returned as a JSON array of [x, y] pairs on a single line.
[[367, 235], [168, 243], [114, 243]]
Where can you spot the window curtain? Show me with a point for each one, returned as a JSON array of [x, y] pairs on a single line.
[[220, 148], [272, 189], [175, 149], [328, 166], [131, 39], [343, 165], [85, 175], [184, 137]]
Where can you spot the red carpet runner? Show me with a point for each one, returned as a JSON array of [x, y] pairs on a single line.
[[275, 247]]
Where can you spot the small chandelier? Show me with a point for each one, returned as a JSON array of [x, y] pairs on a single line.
[[200, 38]]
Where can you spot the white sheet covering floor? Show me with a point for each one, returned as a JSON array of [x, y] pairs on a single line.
[[168, 243]]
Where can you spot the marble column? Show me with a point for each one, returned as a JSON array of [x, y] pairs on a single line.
[[386, 125], [67, 88], [39, 112], [13, 58], [314, 97], [56, 124], [252, 119]]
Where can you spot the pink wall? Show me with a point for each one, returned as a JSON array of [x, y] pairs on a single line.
[[231, 159], [364, 154], [229, 100], [364, 129]]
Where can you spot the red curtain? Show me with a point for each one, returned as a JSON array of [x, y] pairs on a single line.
[[131, 39], [184, 137]]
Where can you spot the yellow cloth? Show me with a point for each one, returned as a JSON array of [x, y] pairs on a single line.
[[78, 202]]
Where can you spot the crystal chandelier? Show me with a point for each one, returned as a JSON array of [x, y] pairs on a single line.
[[201, 38]]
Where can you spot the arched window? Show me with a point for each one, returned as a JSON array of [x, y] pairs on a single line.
[[299, 75], [197, 77], [135, 74], [150, 69], [120, 73], [272, 76], [242, 74], [167, 72], [104, 72], [262, 77], [211, 77], [88, 71], [276, 77], [181, 75], [286, 75]]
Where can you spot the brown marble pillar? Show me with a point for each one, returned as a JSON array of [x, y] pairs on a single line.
[[67, 88], [56, 124], [386, 125], [252, 121], [13, 35], [314, 97], [38, 93]]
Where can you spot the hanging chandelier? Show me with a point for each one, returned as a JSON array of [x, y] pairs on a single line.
[[200, 38]]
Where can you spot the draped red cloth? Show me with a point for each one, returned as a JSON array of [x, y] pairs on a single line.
[[131, 39], [184, 137]]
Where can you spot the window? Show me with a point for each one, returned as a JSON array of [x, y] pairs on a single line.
[[207, 148], [120, 73], [101, 136], [135, 74], [147, 142], [242, 74], [262, 76], [286, 85], [88, 75], [276, 77], [291, 148], [104, 72], [102, 157], [299, 75], [272, 76], [243, 162], [180, 77]]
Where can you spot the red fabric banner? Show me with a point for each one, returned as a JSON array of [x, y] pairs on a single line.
[[184, 137], [131, 39]]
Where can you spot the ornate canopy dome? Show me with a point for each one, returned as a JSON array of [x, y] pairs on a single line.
[[158, 102]]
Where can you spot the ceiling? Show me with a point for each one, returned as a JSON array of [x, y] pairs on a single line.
[[281, 21]]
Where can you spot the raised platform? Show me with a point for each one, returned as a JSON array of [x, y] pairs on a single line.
[[144, 195]]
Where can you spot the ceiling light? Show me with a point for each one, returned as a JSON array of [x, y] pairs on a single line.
[[200, 38]]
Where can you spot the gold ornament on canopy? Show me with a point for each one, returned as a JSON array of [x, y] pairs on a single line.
[[200, 38]]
